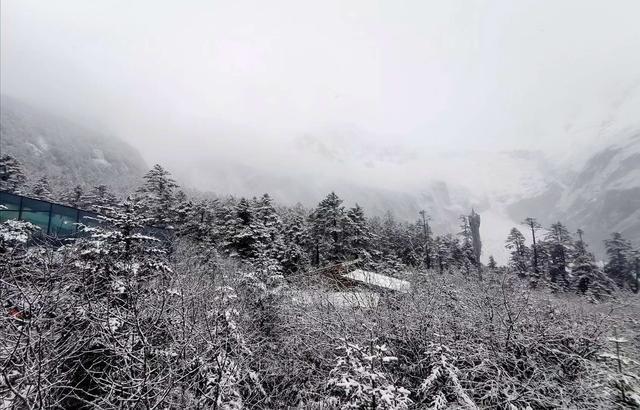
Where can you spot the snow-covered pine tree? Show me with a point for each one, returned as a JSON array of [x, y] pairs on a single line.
[[241, 239], [467, 254], [41, 189], [99, 198], [587, 278], [117, 250], [359, 380], [74, 197], [519, 259], [12, 178], [327, 228], [618, 266], [269, 227], [388, 242], [197, 221], [560, 246], [157, 196], [492, 264], [358, 235], [296, 240], [449, 252], [439, 253], [534, 226], [427, 239]]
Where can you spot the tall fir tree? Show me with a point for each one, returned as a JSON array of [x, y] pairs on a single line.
[[296, 240], [197, 221], [534, 226], [426, 238], [156, 196], [12, 178], [492, 264], [587, 277], [467, 255], [618, 266], [560, 246], [327, 227], [358, 235], [41, 189], [100, 199], [268, 228], [74, 197], [241, 239], [519, 259]]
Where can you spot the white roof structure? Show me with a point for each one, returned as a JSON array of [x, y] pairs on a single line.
[[378, 280], [350, 299]]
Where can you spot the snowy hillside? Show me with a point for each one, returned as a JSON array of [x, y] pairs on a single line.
[[66, 152], [605, 196], [601, 198]]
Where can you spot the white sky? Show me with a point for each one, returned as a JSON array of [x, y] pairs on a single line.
[[282, 83]]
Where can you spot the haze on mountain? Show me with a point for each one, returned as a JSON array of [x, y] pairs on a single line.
[[443, 106]]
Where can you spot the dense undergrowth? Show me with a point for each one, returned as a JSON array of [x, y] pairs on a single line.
[[114, 322]]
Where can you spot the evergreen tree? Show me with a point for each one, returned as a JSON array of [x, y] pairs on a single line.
[[116, 253], [446, 248], [327, 228], [467, 257], [196, 221], [533, 224], [559, 245], [100, 199], [492, 263], [618, 267], [358, 236], [74, 197], [268, 228], [157, 196], [519, 251], [296, 239], [587, 277], [390, 242], [41, 189], [12, 178], [426, 238], [241, 238]]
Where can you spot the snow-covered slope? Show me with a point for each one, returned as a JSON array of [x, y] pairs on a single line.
[[66, 152], [602, 197], [605, 196]]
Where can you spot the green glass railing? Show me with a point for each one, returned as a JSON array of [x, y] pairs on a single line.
[[58, 220], [53, 219]]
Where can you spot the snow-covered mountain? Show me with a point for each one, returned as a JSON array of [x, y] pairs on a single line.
[[599, 195], [602, 197], [66, 152]]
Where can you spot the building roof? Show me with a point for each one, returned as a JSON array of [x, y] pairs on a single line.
[[378, 280], [351, 299]]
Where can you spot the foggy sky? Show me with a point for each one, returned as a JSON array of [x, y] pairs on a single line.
[[360, 88]]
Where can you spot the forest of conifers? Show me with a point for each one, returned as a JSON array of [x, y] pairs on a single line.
[[205, 318]]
